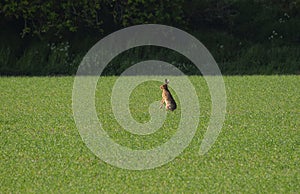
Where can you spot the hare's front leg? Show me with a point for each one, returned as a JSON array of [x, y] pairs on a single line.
[[162, 103]]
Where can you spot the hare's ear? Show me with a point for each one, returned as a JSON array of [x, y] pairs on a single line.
[[167, 81]]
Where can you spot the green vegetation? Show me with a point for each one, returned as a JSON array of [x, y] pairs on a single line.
[[57, 18], [257, 150], [245, 37]]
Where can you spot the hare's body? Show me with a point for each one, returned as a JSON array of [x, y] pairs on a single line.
[[167, 97]]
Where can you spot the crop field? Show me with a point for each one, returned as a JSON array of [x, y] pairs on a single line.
[[257, 151]]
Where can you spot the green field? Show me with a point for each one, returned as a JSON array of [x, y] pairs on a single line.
[[257, 151]]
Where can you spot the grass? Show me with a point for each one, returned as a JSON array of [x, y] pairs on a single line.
[[257, 150]]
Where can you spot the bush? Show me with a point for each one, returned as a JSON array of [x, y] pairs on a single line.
[[265, 59], [245, 37]]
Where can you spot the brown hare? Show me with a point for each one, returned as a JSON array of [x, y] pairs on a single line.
[[167, 97]]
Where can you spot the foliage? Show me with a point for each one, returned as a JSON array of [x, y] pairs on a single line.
[[40, 59], [272, 60], [239, 34], [133, 12], [58, 17], [54, 17]]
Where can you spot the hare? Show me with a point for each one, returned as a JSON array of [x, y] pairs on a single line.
[[167, 97]]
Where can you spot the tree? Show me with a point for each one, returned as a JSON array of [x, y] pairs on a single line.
[[53, 16]]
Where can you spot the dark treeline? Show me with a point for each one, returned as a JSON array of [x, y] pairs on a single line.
[[245, 37]]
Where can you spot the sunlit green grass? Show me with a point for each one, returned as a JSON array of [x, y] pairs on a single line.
[[258, 149]]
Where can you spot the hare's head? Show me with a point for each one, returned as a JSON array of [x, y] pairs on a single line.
[[165, 86]]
